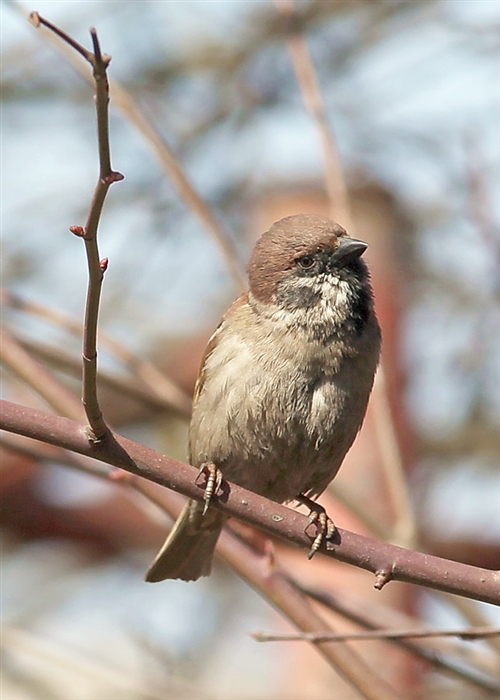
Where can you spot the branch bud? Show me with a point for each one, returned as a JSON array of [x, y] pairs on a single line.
[[78, 231]]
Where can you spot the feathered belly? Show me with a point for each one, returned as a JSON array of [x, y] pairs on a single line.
[[279, 445]]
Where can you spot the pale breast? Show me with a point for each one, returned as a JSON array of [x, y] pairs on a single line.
[[276, 416]]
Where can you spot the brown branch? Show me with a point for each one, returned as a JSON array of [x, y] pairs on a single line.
[[185, 188], [96, 266], [372, 617], [313, 101], [157, 388], [470, 634], [283, 593], [257, 568], [386, 561], [263, 574], [125, 386], [38, 377], [172, 168]]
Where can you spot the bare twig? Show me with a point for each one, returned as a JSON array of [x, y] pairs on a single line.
[[96, 266], [313, 101], [160, 387], [33, 373], [470, 634], [374, 617], [172, 168], [386, 561], [127, 387], [474, 615]]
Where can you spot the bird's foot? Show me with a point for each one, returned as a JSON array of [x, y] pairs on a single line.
[[213, 476], [325, 527]]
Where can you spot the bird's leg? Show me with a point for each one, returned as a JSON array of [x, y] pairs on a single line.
[[213, 482], [325, 527]]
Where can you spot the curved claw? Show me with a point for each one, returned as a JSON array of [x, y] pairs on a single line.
[[325, 527], [213, 482]]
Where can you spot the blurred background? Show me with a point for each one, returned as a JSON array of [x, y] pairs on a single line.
[[412, 94]]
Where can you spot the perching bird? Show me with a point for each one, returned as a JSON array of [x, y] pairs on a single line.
[[285, 380]]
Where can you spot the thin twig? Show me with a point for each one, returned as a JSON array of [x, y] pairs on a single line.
[[470, 634], [37, 20], [313, 101], [96, 266], [38, 377], [372, 617], [172, 168], [474, 614], [386, 561], [129, 388], [160, 386]]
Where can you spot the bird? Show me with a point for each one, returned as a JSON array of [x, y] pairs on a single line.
[[284, 383]]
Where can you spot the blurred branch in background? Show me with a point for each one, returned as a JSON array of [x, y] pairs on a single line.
[[313, 101], [266, 577], [154, 387], [387, 562], [217, 93]]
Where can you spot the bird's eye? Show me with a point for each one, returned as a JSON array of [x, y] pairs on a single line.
[[306, 262]]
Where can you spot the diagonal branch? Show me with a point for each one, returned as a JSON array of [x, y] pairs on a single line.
[[155, 386], [271, 582], [33, 373], [386, 561], [257, 568]]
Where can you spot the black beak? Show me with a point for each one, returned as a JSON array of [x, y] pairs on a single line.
[[349, 249]]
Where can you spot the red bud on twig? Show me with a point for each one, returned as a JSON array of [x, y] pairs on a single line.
[[78, 231]]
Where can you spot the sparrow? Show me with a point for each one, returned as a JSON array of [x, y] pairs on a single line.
[[284, 383]]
